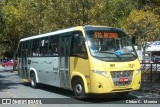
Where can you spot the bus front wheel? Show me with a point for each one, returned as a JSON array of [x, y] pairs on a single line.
[[78, 88], [33, 81]]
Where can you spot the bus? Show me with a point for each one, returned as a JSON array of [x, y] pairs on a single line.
[[84, 59]]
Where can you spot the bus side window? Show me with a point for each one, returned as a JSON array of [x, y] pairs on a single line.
[[35, 47], [44, 46], [54, 46], [78, 46]]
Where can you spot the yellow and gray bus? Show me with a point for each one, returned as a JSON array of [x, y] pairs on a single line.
[[84, 59]]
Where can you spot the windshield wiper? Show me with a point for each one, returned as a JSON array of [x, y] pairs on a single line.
[[129, 54], [115, 53], [107, 52]]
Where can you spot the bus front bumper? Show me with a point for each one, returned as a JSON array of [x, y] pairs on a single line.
[[102, 85]]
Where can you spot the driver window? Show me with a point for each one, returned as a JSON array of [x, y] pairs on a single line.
[[78, 45]]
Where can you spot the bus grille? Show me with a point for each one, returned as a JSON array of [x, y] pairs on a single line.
[[116, 83], [116, 75]]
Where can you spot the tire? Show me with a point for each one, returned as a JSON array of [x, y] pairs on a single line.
[[33, 81], [78, 88]]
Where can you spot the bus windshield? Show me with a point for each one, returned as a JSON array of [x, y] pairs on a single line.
[[110, 46]]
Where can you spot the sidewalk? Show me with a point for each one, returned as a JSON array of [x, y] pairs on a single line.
[[150, 87], [148, 90]]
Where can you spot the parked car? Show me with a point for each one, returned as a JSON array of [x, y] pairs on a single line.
[[8, 63], [156, 59], [146, 58]]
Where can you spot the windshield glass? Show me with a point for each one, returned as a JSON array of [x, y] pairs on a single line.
[[110, 45]]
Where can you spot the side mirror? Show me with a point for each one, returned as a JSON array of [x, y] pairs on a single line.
[[79, 37]]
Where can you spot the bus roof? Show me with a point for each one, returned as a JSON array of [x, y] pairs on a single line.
[[48, 34], [86, 27]]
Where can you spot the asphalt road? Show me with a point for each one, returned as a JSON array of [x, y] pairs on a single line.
[[11, 86]]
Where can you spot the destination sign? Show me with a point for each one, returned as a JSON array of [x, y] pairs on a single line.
[[105, 35]]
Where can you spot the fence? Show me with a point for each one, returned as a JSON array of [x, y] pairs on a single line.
[[150, 72]]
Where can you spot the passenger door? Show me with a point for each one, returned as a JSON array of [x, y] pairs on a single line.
[[65, 43], [24, 68]]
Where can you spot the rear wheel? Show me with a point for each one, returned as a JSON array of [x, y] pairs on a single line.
[[33, 81], [78, 88]]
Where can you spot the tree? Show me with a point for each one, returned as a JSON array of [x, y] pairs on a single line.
[[23, 18], [117, 11], [144, 25], [12, 24], [18, 22], [3, 40]]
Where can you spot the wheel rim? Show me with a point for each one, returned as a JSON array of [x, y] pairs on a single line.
[[78, 89]]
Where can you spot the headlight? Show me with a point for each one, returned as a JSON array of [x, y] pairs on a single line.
[[103, 73], [137, 71]]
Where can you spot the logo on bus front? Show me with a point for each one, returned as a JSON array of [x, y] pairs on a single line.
[[131, 65], [112, 65]]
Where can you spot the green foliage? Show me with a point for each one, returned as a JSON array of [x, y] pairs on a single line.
[[144, 25], [23, 18], [117, 11]]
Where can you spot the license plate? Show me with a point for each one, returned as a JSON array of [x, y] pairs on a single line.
[[123, 79]]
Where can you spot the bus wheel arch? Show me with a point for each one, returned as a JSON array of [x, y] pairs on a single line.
[[33, 79], [78, 87]]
